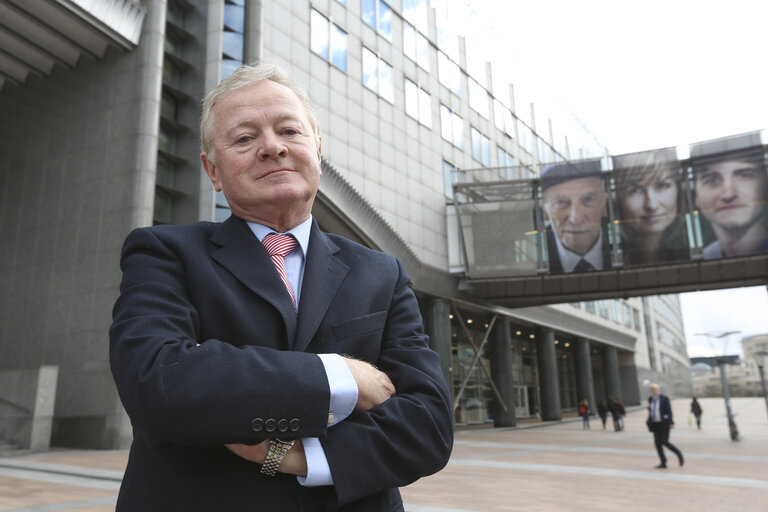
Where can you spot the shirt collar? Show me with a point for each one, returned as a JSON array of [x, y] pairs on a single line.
[[300, 233], [570, 259]]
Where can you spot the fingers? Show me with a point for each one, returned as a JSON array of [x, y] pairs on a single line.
[[254, 453], [373, 385]]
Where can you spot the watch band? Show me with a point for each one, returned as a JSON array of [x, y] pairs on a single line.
[[277, 450]]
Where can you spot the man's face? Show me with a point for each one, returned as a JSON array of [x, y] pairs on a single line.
[[265, 156], [655, 390], [574, 209], [731, 194]]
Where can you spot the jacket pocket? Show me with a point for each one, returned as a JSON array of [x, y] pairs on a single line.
[[361, 326]]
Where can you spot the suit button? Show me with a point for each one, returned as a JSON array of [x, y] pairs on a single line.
[[294, 425], [257, 425], [270, 425], [282, 425]]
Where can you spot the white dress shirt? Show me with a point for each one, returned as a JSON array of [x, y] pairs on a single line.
[[340, 381], [570, 259]]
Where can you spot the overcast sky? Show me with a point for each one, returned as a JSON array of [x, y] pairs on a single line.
[[651, 74]]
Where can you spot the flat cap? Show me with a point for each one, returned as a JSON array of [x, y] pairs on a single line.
[[555, 174]]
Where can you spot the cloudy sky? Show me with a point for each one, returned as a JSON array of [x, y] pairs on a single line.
[[646, 75]]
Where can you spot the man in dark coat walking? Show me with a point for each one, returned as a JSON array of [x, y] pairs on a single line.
[[660, 422]]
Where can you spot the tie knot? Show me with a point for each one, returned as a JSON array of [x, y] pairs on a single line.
[[279, 245]]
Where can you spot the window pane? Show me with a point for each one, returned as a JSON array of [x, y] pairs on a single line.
[[474, 137], [411, 99], [234, 17], [446, 123], [409, 41], [232, 45], [370, 78], [458, 132], [338, 48], [478, 98], [369, 12], [449, 73], [385, 20], [386, 87], [425, 108], [422, 47], [448, 178], [486, 149], [228, 66], [319, 34], [498, 114]]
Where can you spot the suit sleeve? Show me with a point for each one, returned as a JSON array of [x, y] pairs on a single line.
[[411, 434], [178, 388]]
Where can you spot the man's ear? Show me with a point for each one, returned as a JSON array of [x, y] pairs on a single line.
[[211, 171], [319, 149]]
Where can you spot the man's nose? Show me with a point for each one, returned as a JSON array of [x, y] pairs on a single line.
[[729, 190], [576, 215], [270, 146]]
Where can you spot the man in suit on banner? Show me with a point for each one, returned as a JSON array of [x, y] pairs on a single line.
[[266, 365], [574, 207]]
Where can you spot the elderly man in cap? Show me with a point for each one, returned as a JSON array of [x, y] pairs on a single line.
[[574, 206]]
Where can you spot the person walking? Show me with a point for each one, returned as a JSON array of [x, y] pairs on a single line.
[[613, 408], [584, 413], [660, 422], [621, 412], [696, 411], [602, 411]]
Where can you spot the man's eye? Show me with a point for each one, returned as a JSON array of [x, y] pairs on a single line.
[[290, 131], [244, 139]]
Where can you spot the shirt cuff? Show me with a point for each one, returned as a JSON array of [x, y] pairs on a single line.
[[342, 385], [318, 471]]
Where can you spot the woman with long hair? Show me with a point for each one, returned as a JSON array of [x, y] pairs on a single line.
[[649, 197]]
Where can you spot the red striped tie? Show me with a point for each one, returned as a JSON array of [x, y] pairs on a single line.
[[278, 246]]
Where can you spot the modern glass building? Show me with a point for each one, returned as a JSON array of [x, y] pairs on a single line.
[[100, 103]]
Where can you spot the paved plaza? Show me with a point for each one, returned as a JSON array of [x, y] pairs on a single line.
[[557, 466]]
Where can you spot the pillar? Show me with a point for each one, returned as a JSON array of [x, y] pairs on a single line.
[[611, 373], [584, 385], [500, 343], [437, 324], [549, 387]]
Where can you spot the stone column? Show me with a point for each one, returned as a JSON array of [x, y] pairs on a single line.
[[437, 324], [501, 371], [584, 385], [549, 387], [253, 44], [611, 373]]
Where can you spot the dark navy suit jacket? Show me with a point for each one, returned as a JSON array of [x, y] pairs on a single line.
[[665, 413], [214, 285]]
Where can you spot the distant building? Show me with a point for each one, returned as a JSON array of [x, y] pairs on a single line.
[[743, 374]]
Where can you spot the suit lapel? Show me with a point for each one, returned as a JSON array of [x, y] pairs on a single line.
[[239, 251], [323, 275]]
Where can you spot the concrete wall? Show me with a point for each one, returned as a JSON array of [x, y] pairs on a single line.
[[66, 203], [26, 407]]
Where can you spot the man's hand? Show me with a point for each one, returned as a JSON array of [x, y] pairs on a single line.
[[373, 385], [294, 463]]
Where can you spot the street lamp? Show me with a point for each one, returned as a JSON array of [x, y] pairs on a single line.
[[724, 380], [759, 356]]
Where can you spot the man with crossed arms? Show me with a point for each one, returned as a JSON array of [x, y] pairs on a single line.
[[267, 380]]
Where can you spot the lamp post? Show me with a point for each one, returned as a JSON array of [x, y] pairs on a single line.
[[734, 431], [760, 358]]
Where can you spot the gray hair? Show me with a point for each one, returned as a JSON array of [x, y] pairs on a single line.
[[244, 76]]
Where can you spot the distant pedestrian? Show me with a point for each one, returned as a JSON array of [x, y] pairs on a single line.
[[613, 408], [696, 411], [602, 411], [584, 413], [622, 412], [660, 422]]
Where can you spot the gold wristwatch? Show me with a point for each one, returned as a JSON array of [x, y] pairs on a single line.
[[277, 450]]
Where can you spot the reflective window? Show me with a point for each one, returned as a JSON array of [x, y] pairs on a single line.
[[451, 127], [234, 18], [232, 45], [507, 163], [378, 16], [481, 147], [418, 103], [415, 11], [328, 40], [416, 46], [449, 73], [377, 76], [478, 98]]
